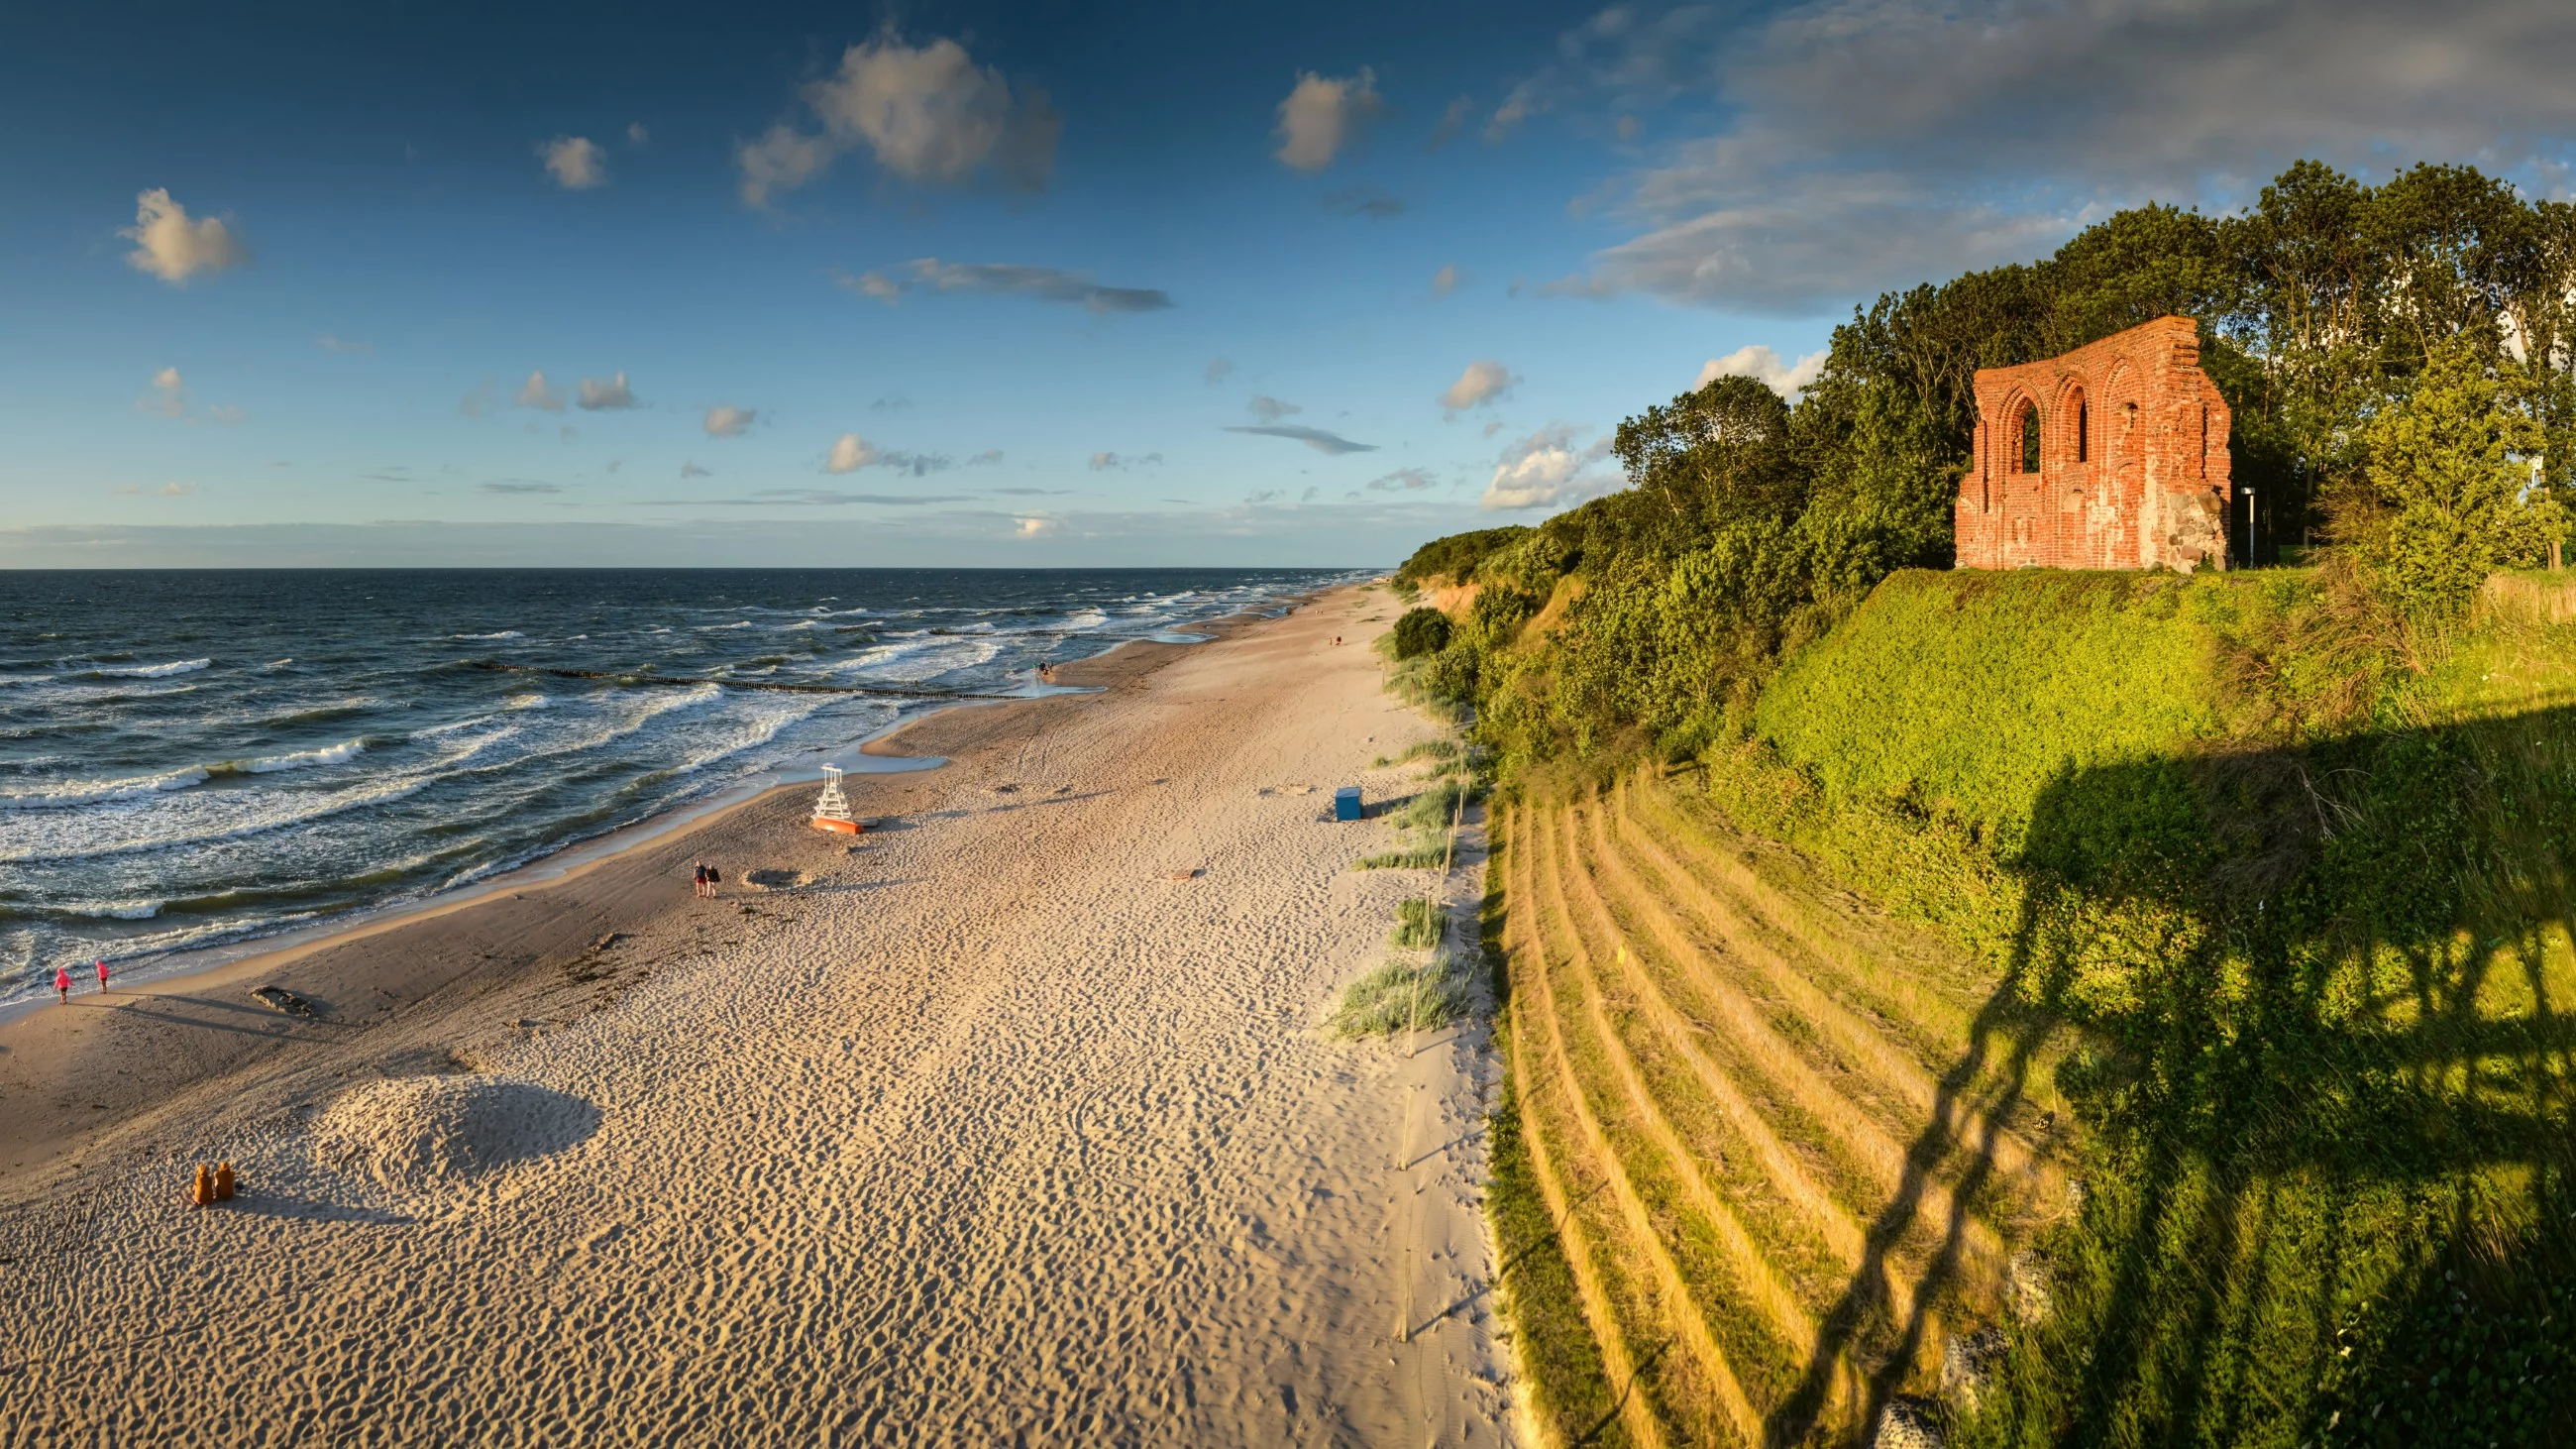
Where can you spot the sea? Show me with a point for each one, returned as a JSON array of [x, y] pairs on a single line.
[[199, 759]]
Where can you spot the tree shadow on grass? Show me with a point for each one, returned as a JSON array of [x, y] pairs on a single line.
[[2325, 1080]]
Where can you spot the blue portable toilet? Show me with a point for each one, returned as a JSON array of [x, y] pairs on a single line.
[[1346, 803]]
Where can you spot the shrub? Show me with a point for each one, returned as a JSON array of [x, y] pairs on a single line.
[[1420, 632]]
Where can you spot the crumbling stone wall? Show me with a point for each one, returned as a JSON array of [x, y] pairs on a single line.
[[2130, 441]]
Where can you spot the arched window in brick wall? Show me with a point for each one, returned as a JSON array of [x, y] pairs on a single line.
[[2083, 422], [2030, 437]]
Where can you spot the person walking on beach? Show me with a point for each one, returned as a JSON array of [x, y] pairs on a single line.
[[102, 976], [702, 880], [63, 983]]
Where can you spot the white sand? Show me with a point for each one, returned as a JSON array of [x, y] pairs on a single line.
[[993, 1132]]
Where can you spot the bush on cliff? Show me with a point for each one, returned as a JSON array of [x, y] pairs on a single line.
[[1420, 631]]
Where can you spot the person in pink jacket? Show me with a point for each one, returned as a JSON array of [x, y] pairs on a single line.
[[102, 975], [63, 983]]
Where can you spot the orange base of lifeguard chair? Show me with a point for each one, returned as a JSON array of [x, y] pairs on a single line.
[[845, 827]]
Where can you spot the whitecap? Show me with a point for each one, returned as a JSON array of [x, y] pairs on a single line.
[[339, 754], [146, 671], [91, 792], [111, 910], [504, 634]]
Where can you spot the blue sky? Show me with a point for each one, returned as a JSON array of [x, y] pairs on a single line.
[[1001, 284]]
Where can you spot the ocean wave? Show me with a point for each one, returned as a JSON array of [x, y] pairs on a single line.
[[109, 910], [278, 663], [92, 792], [513, 703], [760, 730], [285, 808], [504, 634], [339, 754], [143, 671], [921, 657]]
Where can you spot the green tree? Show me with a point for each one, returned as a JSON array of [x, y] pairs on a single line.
[[2449, 493]]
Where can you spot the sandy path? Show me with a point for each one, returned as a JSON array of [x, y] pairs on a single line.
[[992, 1133]]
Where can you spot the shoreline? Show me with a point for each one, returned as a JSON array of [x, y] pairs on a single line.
[[207, 993], [569, 859]]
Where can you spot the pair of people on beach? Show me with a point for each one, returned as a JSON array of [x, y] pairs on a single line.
[[708, 880], [63, 980]]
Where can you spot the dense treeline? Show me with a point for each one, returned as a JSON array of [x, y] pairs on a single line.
[[2398, 358]]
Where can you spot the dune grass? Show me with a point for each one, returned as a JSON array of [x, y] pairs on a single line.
[[1419, 924], [1421, 824], [1404, 995], [1443, 750]]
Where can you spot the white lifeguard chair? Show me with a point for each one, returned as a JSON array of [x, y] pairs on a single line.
[[832, 808]]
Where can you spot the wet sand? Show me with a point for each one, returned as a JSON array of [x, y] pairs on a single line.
[[981, 1127]]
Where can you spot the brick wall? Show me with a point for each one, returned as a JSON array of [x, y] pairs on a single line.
[[2132, 459]]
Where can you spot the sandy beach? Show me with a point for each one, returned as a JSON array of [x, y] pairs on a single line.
[[1011, 1121]]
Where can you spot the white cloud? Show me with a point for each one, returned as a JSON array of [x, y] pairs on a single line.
[[575, 162], [606, 394], [535, 393], [1270, 409], [849, 454], [1218, 370], [1403, 480], [1764, 366], [636, 135], [1033, 527], [928, 114], [1545, 470], [1847, 163], [1107, 462], [781, 160], [170, 246], [692, 470], [1452, 120], [1375, 203], [1316, 438], [176, 490], [985, 458], [728, 421], [870, 284], [1445, 280], [1046, 284], [168, 397], [1481, 383], [1322, 115]]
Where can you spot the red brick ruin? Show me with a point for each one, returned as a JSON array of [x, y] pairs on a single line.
[[2113, 456]]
